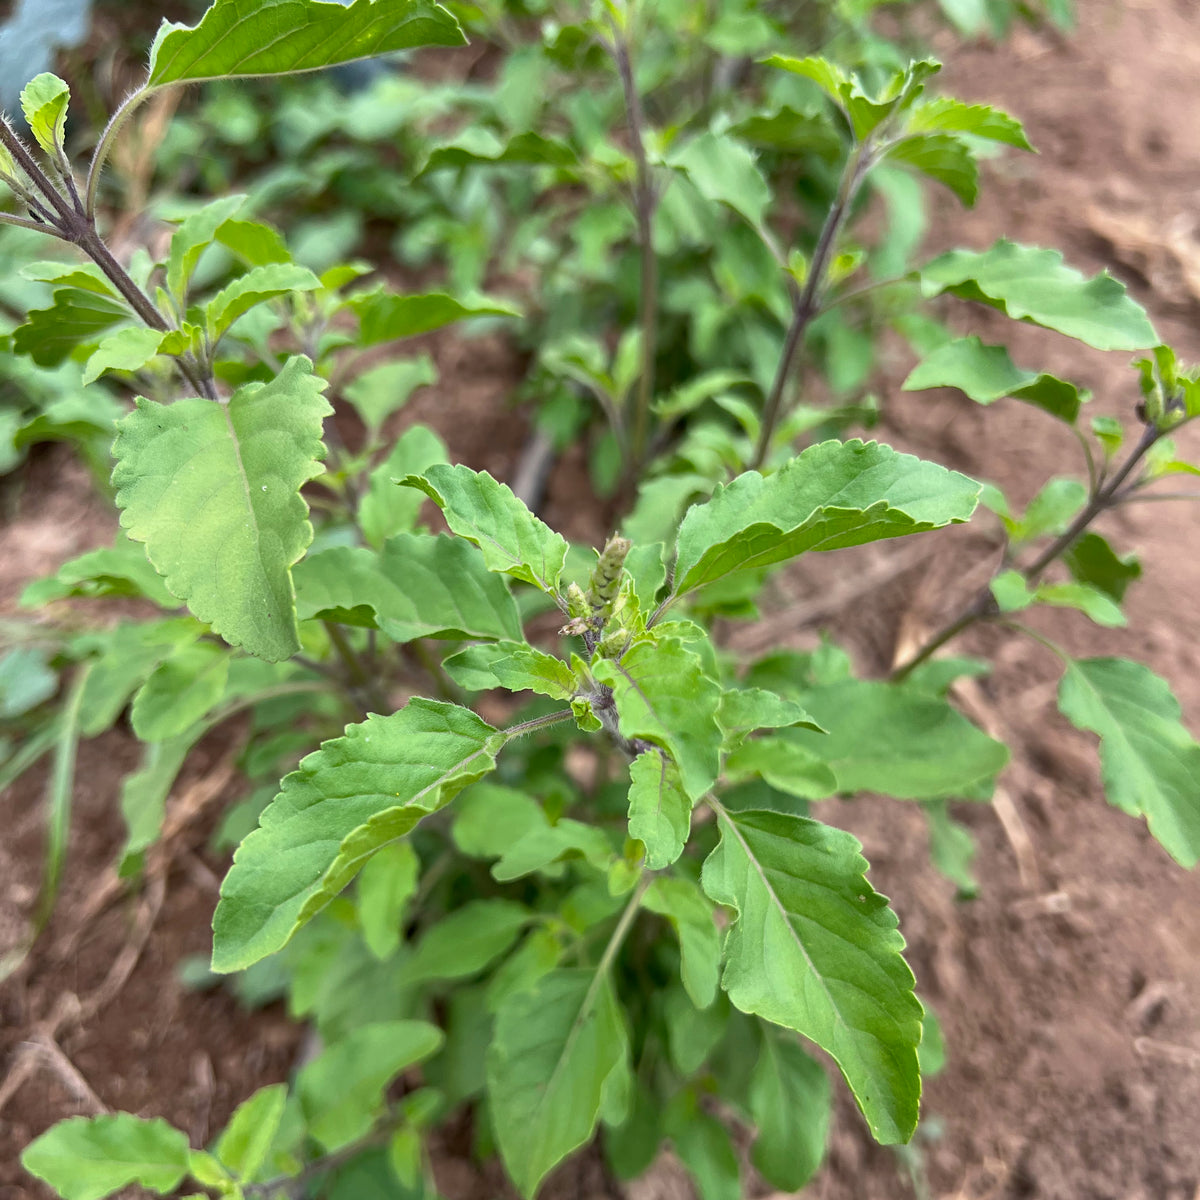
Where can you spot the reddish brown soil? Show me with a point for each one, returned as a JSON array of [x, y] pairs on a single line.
[[1069, 990]]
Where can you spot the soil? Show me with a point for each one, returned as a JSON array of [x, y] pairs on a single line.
[[1069, 990]]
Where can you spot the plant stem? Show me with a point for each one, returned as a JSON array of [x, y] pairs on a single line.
[[808, 303], [293, 1184], [619, 933], [357, 676], [36, 175], [515, 731], [104, 145], [1104, 497], [645, 198]]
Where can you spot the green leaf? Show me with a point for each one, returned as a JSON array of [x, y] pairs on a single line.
[[245, 1142], [1093, 561], [488, 819], [660, 813], [468, 940], [254, 287], [943, 157], [341, 1090], [691, 915], [76, 318], [144, 794], [952, 849], [480, 146], [746, 709], [179, 691], [346, 800], [788, 767], [85, 1158], [126, 350], [273, 37], [663, 695], [44, 101], [898, 740], [945, 115], [254, 243], [387, 508], [213, 489], [385, 886], [1050, 511], [724, 170], [527, 669], [194, 235], [385, 389], [704, 1147], [834, 494], [1035, 285], [545, 844], [514, 542], [420, 585], [1151, 763], [1088, 600], [25, 681], [384, 317], [817, 950], [555, 1049], [790, 1104]]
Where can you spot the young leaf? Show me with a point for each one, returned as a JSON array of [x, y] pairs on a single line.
[[346, 800], [85, 1158], [943, 157], [384, 317], [488, 819], [555, 1049], [213, 489], [527, 669], [816, 949], [514, 542], [945, 115], [420, 585], [465, 942], [1035, 285], [660, 813], [245, 1142], [341, 1090], [256, 286], [664, 695], [274, 37], [791, 1106], [194, 235], [691, 914], [126, 350], [44, 101], [1093, 561], [834, 494], [898, 740], [1151, 763]]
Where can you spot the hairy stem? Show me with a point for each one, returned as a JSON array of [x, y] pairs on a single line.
[[530, 726], [104, 146], [645, 197], [1104, 497], [808, 302]]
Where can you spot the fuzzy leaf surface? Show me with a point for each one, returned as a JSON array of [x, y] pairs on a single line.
[[44, 101], [485, 512], [816, 949], [274, 37], [529, 669], [213, 490], [663, 694], [419, 585], [834, 494], [1150, 762], [1032, 284], [346, 800], [85, 1158], [555, 1048]]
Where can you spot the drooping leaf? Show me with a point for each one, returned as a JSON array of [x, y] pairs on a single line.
[[724, 170], [118, 570], [1151, 763], [76, 318], [274, 37], [946, 115], [384, 317], [1035, 285], [485, 512], [664, 695], [246, 1140], [254, 287], [1093, 561], [691, 915], [544, 844], [253, 242], [1013, 594], [420, 585], [213, 489], [791, 1106], [555, 1049], [85, 1158], [179, 691], [125, 350], [341, 1090], [816, 949], [952, 849], [660, 813], [385, 886], [897, 740], [704, 1147], [465, 942], [943, 157], [489, 818], [346, 800], [44, 101], [144, 795], [834, 494]]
